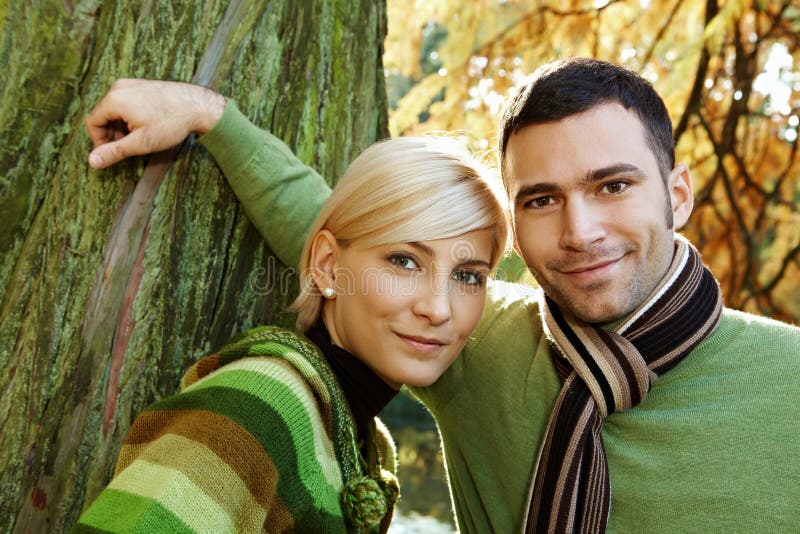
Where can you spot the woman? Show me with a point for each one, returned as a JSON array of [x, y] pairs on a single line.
[[277, 431]]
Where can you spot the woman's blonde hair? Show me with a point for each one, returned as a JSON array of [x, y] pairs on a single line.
[[404, 190]]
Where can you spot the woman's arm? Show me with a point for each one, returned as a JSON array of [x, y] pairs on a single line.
[[281, 195]]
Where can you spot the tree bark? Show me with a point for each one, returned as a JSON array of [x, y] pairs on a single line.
[[114, 282]]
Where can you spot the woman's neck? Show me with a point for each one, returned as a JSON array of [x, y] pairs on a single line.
[[367, 394]]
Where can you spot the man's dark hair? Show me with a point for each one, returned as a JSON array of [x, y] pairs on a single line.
[[563, 88]]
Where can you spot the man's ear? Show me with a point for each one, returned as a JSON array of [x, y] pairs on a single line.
[[322, 262], [681, 195]]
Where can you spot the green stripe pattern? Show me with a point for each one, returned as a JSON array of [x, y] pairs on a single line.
[[248, 445]]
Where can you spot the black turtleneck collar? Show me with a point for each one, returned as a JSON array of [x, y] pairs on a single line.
[[366, 393]]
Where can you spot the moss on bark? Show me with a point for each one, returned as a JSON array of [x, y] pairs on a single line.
[[113, 282]]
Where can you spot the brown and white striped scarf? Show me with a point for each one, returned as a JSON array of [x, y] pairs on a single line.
[[603, 372]]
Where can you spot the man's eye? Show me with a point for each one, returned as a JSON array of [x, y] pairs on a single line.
[[540, 202], [614, 188], [403, 261]]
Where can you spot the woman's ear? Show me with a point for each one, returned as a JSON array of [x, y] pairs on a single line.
[[324, 253], [681, 195]]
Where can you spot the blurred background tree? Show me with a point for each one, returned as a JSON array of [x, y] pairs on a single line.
[[729, 71]]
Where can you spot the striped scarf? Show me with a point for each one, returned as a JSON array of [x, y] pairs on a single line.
[[603, 372]]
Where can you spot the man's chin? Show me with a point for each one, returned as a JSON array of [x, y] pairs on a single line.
[[591, 309]]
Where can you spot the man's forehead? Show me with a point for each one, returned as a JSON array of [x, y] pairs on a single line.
[[576, 146], [608, 117]]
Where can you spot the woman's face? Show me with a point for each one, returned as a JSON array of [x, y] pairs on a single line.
[[407, 309]]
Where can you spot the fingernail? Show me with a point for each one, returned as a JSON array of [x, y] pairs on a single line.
[[95, 160]]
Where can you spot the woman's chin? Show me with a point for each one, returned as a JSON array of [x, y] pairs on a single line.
[[421, 381]]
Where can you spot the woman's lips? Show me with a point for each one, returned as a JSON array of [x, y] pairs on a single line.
[[422, 344]]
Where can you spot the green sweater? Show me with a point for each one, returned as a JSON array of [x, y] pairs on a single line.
[[260, 438], [713, 448]]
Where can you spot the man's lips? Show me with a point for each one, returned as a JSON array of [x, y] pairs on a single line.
[[589, 273], [587, 268]]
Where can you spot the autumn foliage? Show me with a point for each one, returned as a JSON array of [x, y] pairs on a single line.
[[729, 72]]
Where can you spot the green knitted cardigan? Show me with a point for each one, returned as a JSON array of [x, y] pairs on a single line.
[[260, 438]]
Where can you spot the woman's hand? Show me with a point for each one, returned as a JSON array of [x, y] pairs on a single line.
[[138, 117]]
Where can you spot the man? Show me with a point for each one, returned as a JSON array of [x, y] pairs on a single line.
[[622, 398]]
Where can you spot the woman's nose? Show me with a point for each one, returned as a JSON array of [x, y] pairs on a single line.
[[433, 303]]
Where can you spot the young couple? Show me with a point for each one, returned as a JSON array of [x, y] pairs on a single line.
[[623, 397]]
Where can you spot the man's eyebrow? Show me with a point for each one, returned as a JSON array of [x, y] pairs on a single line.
[[595, 175], [536, 189], [612, 170]]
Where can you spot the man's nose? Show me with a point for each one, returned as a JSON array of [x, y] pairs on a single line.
[[582, 226]]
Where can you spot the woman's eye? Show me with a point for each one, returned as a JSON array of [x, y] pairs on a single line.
[[403, 261], [469, 277]]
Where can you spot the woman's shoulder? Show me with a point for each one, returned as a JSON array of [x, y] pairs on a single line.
[[279, 370], [264, 370], [262, 341], [256, 421]]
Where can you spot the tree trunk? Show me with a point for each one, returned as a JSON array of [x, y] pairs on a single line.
[[114, 282]]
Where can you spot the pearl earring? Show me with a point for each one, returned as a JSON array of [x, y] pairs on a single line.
[[328, 292]]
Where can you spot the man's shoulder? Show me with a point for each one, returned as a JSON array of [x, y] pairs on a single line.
[[502, 296], [758, 334], [759, 323], [509, 307]]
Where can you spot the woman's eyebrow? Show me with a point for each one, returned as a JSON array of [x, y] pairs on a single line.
[[461, 263], [475, 263], [423, 248]]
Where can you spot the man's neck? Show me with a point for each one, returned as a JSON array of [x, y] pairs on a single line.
[[611, 325]]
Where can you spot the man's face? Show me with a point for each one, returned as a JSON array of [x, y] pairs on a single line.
[[591, 210]]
